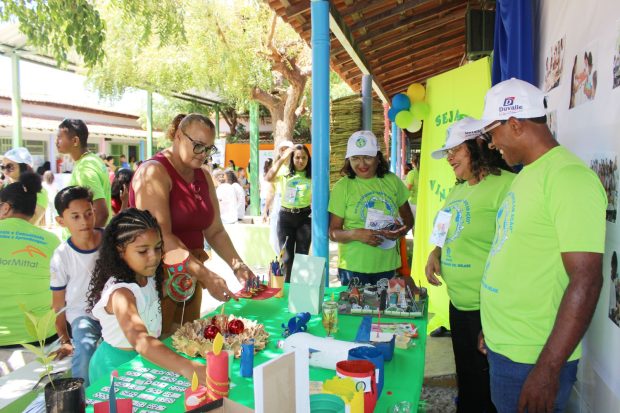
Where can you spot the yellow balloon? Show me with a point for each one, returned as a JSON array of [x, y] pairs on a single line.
[[218, 343], [416, 92]]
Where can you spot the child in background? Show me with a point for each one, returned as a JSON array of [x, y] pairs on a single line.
[[71, 268], [125, 295]]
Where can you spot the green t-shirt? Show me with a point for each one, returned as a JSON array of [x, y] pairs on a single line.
[[350, 199], [90, 171], [42, 199], [469, 237], [555, 205], [282, 172], [25, 254], [413, 179], [296, 190]]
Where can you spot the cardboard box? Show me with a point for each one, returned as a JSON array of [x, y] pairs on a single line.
[[307, 285], [224, 405]]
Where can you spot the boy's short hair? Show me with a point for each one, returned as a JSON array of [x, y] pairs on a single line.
[[71, 193], [76, 127]]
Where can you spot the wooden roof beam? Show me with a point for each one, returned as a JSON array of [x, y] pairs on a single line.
[[344, 36], [388, 14]]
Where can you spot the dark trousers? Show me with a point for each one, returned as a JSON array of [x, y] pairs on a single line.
[[298, 229], [472, 368]]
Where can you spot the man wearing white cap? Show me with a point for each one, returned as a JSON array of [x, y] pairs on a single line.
[[14, 163], [544, 272]]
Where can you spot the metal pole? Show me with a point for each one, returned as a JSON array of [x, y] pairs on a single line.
[[394, 147], [319, 11], [149, 125], [367, 102], [16, 101], [254, 173]]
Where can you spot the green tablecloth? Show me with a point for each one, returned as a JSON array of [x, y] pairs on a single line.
[[403, 375]]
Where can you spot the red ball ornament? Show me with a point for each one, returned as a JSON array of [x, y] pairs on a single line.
[[210, 332], [235, 326]]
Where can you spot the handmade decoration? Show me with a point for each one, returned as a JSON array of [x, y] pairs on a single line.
[[256, 289], [346, 389], [196, 395], [296, 324], [114, 405], [196, 338], [323, 352], [363, 373], [276, 278], [218, 381], [391, 298], [247, 359], [180, 287]]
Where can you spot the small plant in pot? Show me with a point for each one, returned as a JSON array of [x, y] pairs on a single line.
[[61, 394]]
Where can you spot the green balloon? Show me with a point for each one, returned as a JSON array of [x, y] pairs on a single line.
[[420, 110], [403, 118]]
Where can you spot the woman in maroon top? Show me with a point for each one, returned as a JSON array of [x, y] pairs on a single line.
[[177, 189]]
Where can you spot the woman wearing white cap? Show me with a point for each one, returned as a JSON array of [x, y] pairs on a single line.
[[14, 163], [369, 212], [469, 212]]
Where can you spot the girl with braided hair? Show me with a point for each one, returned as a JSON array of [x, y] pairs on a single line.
[[125, 294]]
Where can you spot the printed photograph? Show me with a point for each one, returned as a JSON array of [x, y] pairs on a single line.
[[552, 123], [606, 167], [583, 78], [554, 62], [616, 68], [614, 291]]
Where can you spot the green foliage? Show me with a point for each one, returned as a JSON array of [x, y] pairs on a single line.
[[58, 26], [38, 327]]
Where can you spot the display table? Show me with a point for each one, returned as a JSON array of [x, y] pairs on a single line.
[[403, 375]]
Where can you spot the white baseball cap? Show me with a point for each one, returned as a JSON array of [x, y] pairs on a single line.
[[456, 134], [284, 144], [19, 155], [362, 143], [511, 98]]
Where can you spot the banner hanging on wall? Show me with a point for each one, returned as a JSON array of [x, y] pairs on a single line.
[[450, 96]]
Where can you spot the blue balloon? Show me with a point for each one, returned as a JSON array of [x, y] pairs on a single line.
[[400, 102], [392, 114]]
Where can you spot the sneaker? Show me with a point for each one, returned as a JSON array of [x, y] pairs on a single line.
[[441, 332]]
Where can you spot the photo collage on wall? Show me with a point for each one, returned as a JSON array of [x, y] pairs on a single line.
[[584, 77], [606, 167]]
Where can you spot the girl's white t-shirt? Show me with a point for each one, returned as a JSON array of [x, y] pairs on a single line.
[[149, 308]]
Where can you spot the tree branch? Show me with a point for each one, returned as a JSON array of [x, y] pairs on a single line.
[[267, 99]]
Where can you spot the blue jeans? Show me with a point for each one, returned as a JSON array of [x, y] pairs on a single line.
[[508, 377], [345, 276], [86, 334]]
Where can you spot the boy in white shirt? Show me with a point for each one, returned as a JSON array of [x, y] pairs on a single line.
[[71, 268]]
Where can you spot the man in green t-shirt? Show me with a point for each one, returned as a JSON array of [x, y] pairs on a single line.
[[89, 170], [543, 275]]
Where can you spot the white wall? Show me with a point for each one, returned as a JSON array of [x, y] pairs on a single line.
[[590, 129]]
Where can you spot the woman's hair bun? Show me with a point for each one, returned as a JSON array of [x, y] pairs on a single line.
[[31, 182]]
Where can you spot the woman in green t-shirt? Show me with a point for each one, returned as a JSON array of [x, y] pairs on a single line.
[[483, 179], [25, 253], [294, 222], [368, 213]]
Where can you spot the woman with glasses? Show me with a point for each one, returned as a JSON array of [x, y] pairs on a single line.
[[25, 253], [176, 187], [369, 212], [294, 223], [14, 163], [482, 181]]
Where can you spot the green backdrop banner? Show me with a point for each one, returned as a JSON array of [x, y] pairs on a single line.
[[451, 96]]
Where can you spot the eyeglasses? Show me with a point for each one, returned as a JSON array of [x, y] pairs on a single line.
[[9, 168], [454, 150], [200, 148], [486, 135]]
